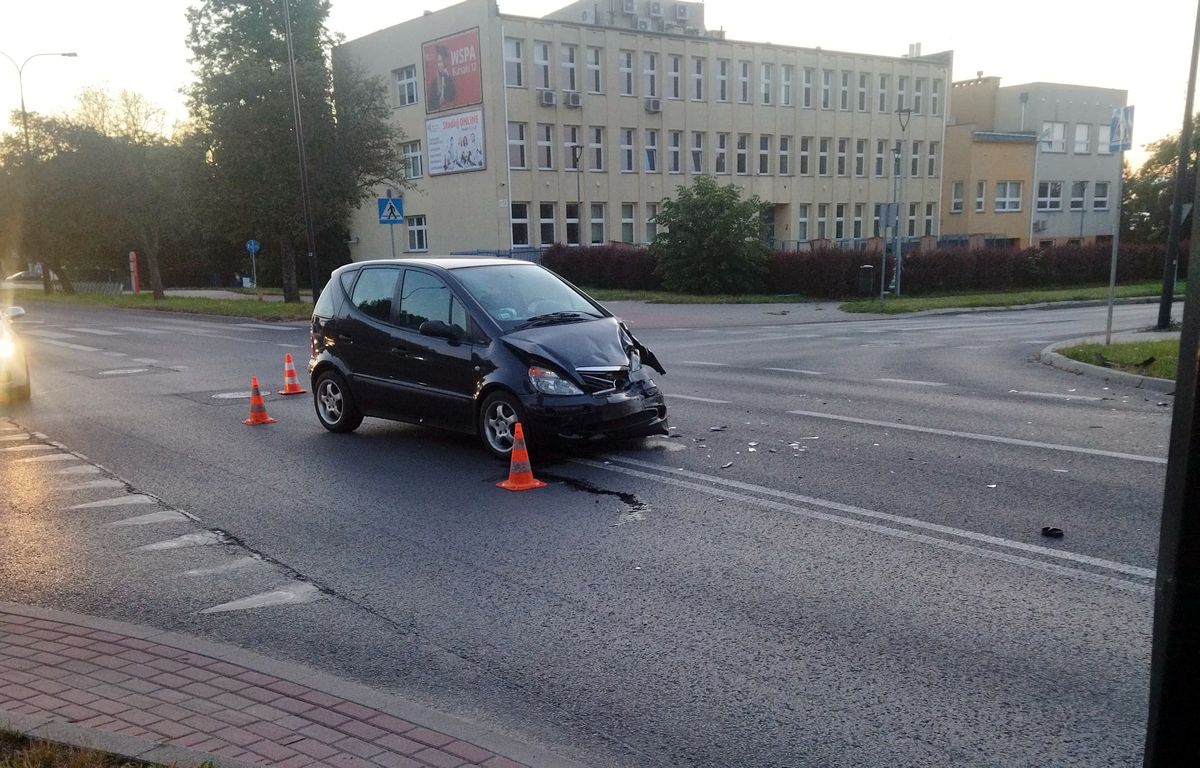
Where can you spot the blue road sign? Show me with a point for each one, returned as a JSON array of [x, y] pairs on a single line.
[[1120, 134], [391, 210], [252, 246]]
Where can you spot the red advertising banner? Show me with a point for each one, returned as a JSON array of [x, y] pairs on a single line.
[[453, 77]]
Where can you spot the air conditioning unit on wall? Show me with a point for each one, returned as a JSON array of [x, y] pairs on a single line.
[[643, 25], [656, 9], [1039, 225], [681, 11], [654, 105], [630, 7], [547, 98], [572, 99]]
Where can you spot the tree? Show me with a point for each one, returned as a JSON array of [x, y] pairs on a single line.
[[714, 240], [1149, 191], [242, 102]]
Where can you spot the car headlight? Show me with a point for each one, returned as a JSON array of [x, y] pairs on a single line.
[[8, 347], [550, 383], [635, 361]]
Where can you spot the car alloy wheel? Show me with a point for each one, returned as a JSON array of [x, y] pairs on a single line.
[[335, 405], [498, 420]]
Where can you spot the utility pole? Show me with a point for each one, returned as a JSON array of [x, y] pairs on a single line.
[[903, 115], [308, 223]]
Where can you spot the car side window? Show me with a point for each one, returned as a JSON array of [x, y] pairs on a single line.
[[426, 297], [374, 290]]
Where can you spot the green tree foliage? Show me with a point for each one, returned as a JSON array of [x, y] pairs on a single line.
[[242, 103], [1149, 191], [714, 240]]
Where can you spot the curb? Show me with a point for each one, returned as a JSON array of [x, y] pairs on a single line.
[[1050, 356], [159, 751]]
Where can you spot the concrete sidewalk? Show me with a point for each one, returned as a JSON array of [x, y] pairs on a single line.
[[168, 698]]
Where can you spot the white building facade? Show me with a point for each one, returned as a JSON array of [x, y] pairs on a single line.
[[573, 128]]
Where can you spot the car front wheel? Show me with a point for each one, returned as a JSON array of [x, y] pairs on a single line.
[[498, 423], [335, 405]]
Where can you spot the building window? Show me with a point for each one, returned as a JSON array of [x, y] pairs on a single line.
[[822, 220], [625, 71], [513, 67], [627, 150], [915, 164], [697, 78], [571, 220], [1008, 196], [545, 146], [864, 84], [570, 68], [722, 79], [541, 64], [1100, 196], [520, 224], [406, 85], [844, 91], [858, 218], [546, 223], [802, 224], [570, 142], [805, 154], [743, 150], [877, 220], [651, 150], [883, 94], [980, 196], [823, 156], [1083, 134], [1078, 192], [764, 83], [880, 157], [826, 88], [597, 222], [956, 197], [651, 222], [839, 221], [901, 93], [1049, 195], [912, 219], [935, 98], [1103, 137], [918, 94], [929, 209], [722, 153], [1054, 137], [764, 155], [418, 234], [843, 146], [413, 163], [806, 92], [860, 157], [674, 73], [697, 152], [744, 82], [595, 68], [785, 155], [650, 74], [785, 84], [627, 210], [673, 152], [516, 145], [596, 147], [931, 165]]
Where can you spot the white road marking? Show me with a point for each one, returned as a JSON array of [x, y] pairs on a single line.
[[703, 362], [698, 399], [29, 447], [1054, 395], [242, 339], [292, 346], [82, 469], [96, 331], [720, 486], [163, 516], [41, 333], [120, 501], [237, 395], [202, 539], [233, 565], [797, 370], [13, 438], [293, 593], [122, 371], [917, 383], [115, 354], [68, 345], [105, 483], [151, 331], [142, 360], [264, 327], [48, 457], [985, 438]]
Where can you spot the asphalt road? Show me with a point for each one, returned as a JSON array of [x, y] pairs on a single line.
[[834, 560]]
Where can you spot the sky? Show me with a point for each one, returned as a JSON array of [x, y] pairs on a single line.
[[1144, 48]]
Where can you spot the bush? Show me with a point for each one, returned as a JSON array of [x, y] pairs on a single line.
[[615, 265]]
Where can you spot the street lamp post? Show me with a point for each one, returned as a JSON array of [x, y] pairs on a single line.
[[576, 156], [903, 116]]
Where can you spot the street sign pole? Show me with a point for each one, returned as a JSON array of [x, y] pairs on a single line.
[[252, 246], [1120, 139]]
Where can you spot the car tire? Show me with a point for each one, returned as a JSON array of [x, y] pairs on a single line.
[[497, 419], [335, 405]]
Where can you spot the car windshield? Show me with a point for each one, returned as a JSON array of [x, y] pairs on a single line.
[[519, 295]]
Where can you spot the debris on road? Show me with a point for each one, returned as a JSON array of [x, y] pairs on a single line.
[[721, 428], [1051, 532], [727, 465]]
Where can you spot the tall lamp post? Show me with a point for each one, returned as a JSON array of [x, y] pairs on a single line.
[[46, 283], [576, 156], [903, 115]]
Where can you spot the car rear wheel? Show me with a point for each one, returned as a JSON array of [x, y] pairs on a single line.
[[498, 423], [335, 405]]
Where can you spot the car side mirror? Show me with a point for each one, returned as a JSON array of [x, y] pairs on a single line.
[[14, 312], [441, 330]]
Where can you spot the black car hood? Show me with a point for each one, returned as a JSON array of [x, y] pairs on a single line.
[[601, 342]]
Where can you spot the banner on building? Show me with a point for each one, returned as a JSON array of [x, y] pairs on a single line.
[[453, 77], [455, 143]]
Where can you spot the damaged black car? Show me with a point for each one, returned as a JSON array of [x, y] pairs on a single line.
[[477, 345]]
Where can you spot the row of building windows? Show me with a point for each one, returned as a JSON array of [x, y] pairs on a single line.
[[740, 153], [1053, 138], [1007, 197], [831, 220]]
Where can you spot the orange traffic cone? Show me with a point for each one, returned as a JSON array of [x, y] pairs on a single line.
[[291, 385], [258, 411], [520, 474]]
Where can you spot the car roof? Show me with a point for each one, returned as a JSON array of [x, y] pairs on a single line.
[[444, 262]]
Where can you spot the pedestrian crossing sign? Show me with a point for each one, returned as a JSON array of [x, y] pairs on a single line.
[[391, 210]]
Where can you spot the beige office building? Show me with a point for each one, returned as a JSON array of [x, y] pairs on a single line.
[[573, 128]]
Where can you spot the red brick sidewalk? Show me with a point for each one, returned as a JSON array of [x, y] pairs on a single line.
[[155, 692]]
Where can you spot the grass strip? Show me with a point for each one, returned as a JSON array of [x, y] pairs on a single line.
[[666, 297], [259, 310], [17, 751], [904, 304], [1158, 359]]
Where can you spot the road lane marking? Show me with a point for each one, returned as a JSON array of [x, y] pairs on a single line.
[[985, 438], [265, 327], [704, 362], [151, 331], [106, 483], [1054, 395], [293, 593], [699, 399], [82, 469], [721, 487], [13, 438], [47, 457], [68, 345], [234, 565], [42, 333], [916, 383], [797, 370], [163, 516], [202, 539], [120, 501], [121, 371], [142, 360], [28, 447], [96, 331]]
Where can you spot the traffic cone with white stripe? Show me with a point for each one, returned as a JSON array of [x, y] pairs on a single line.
[[291, 384], [520, 474], [258, 411]]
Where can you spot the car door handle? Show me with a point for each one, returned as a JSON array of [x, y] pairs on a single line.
[[346, 338], [400, 351]]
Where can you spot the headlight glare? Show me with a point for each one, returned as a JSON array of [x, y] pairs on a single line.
[[7, 347], [548, 382]]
